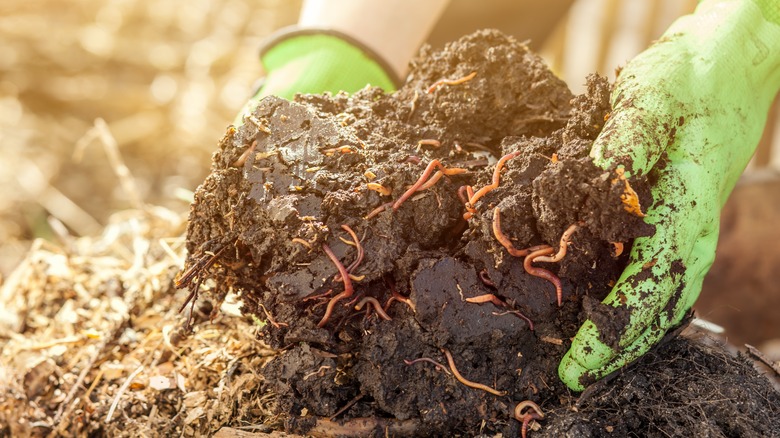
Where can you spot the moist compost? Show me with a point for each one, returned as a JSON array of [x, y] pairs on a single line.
[[308, 215]]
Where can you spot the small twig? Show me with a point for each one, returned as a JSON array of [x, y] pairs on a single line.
[[241, 160], [77, 384], [467, 382], [755, 352], [122, 390], [111, 147], [202, 264], [61, 412], [346, 406]]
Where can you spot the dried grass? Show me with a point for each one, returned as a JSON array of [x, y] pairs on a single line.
[[88, 325], [166, 76], [93, 340]]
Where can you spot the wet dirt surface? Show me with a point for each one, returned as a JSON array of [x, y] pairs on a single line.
[[298, 179]]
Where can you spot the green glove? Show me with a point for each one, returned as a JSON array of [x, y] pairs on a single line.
[[691, 108], [316, 61]]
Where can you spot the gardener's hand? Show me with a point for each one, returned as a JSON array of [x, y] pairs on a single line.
[[689, 112], [344, 46], [316, 61]]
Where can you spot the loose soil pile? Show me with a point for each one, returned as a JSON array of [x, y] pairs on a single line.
[[308, 214]]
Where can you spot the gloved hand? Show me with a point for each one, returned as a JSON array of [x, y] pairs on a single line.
[[689, 111], [315, 61]]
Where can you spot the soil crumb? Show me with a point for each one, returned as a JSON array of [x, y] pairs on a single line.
[[378, 239]]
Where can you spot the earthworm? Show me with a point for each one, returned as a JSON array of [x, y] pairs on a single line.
[[377, 307], [302, 242], [318, 296], [565, 240], [379, 188], [485, 278], [496, 178], [490, 298], [466, 382], [431, 181], [428, 359], [271, 319], [486, 298], [429, 142], [437, 176], [420, 181], [343, 149], [519, 315], [506, 243], [378, 210], [462, 194], [468, 191], [398, 297], [534, 414], [413, 104], [450, 82], [358, 259], [544, 273], [347, 285]]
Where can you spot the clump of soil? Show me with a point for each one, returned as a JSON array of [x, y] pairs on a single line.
[[298, 178]]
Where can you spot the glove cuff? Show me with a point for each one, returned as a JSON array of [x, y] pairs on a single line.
[[291, 41], [318, 60]]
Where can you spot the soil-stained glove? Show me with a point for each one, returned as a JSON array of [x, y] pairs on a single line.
[[688, 112], [314, 61]]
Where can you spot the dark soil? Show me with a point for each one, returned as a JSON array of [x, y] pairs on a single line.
[[262, 220]]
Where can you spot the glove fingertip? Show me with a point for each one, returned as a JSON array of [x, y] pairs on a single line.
[[571, 372], [588, 350]]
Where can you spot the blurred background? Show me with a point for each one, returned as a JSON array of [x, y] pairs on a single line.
[[168, 77]]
